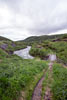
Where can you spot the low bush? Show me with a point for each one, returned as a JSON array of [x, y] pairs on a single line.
[[37, 52]]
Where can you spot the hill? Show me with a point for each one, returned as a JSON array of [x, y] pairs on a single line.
[[4, 39], [43, 37]]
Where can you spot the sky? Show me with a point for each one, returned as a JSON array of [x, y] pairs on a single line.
[[20, 19]]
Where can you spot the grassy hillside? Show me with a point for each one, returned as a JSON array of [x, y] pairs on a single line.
[[58, 46], [59, 85], [4, 39], [43, 37], [18, 75], [9, 46]]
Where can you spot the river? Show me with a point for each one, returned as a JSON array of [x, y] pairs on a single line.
[[24, 53]]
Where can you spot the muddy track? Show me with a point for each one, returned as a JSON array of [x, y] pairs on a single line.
[[38, 90], [37, 93], [48, 94]]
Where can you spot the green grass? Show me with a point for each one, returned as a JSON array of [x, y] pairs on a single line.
[[17, 74], [38, 52], [59, 85], [57, 82], [49, 47], [61, 50], [3, 54], [45, 84], [11, 45]]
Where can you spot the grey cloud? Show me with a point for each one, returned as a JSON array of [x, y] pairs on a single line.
[[34, 16]]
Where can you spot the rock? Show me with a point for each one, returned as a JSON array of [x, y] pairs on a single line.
[[4, 46]]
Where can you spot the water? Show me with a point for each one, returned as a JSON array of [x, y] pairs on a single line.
[[52, 57], [24, 53]]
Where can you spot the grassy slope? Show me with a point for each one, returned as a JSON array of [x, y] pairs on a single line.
[[59, 85], [4, 39], [42, 38], [17, 74], [10, 45], [44, 48], [61, 50]]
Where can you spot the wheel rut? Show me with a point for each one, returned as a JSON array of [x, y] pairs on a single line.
[[48, 94], [38, 90]]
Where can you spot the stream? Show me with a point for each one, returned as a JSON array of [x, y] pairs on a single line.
[[24, 53]]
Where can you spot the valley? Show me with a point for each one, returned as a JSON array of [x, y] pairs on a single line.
[[33, 69]]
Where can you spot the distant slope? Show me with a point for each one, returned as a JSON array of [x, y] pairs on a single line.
[[9, 46], [43, 37], [4, 39]]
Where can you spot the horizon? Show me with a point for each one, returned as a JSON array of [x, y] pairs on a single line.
[[33, 36]]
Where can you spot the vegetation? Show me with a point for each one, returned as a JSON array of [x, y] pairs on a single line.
[[37, 52], [3, 54], [4, 39], [45, 84], [58, 46], [57, 82], [40, 39], [10, 46], [61, 50], [59, 85], [17, 74]]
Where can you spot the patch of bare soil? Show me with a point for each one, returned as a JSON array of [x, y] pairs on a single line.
[[0, 60], [48, 94], [38, 90], [22, 96], [50, 66]]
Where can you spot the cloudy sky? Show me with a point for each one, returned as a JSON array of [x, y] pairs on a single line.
[[20, 19]]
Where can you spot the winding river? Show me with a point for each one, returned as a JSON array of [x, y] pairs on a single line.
[[24, 53]]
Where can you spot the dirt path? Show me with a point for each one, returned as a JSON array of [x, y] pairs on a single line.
[[48, 94], [38, 89], [0, 60]]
